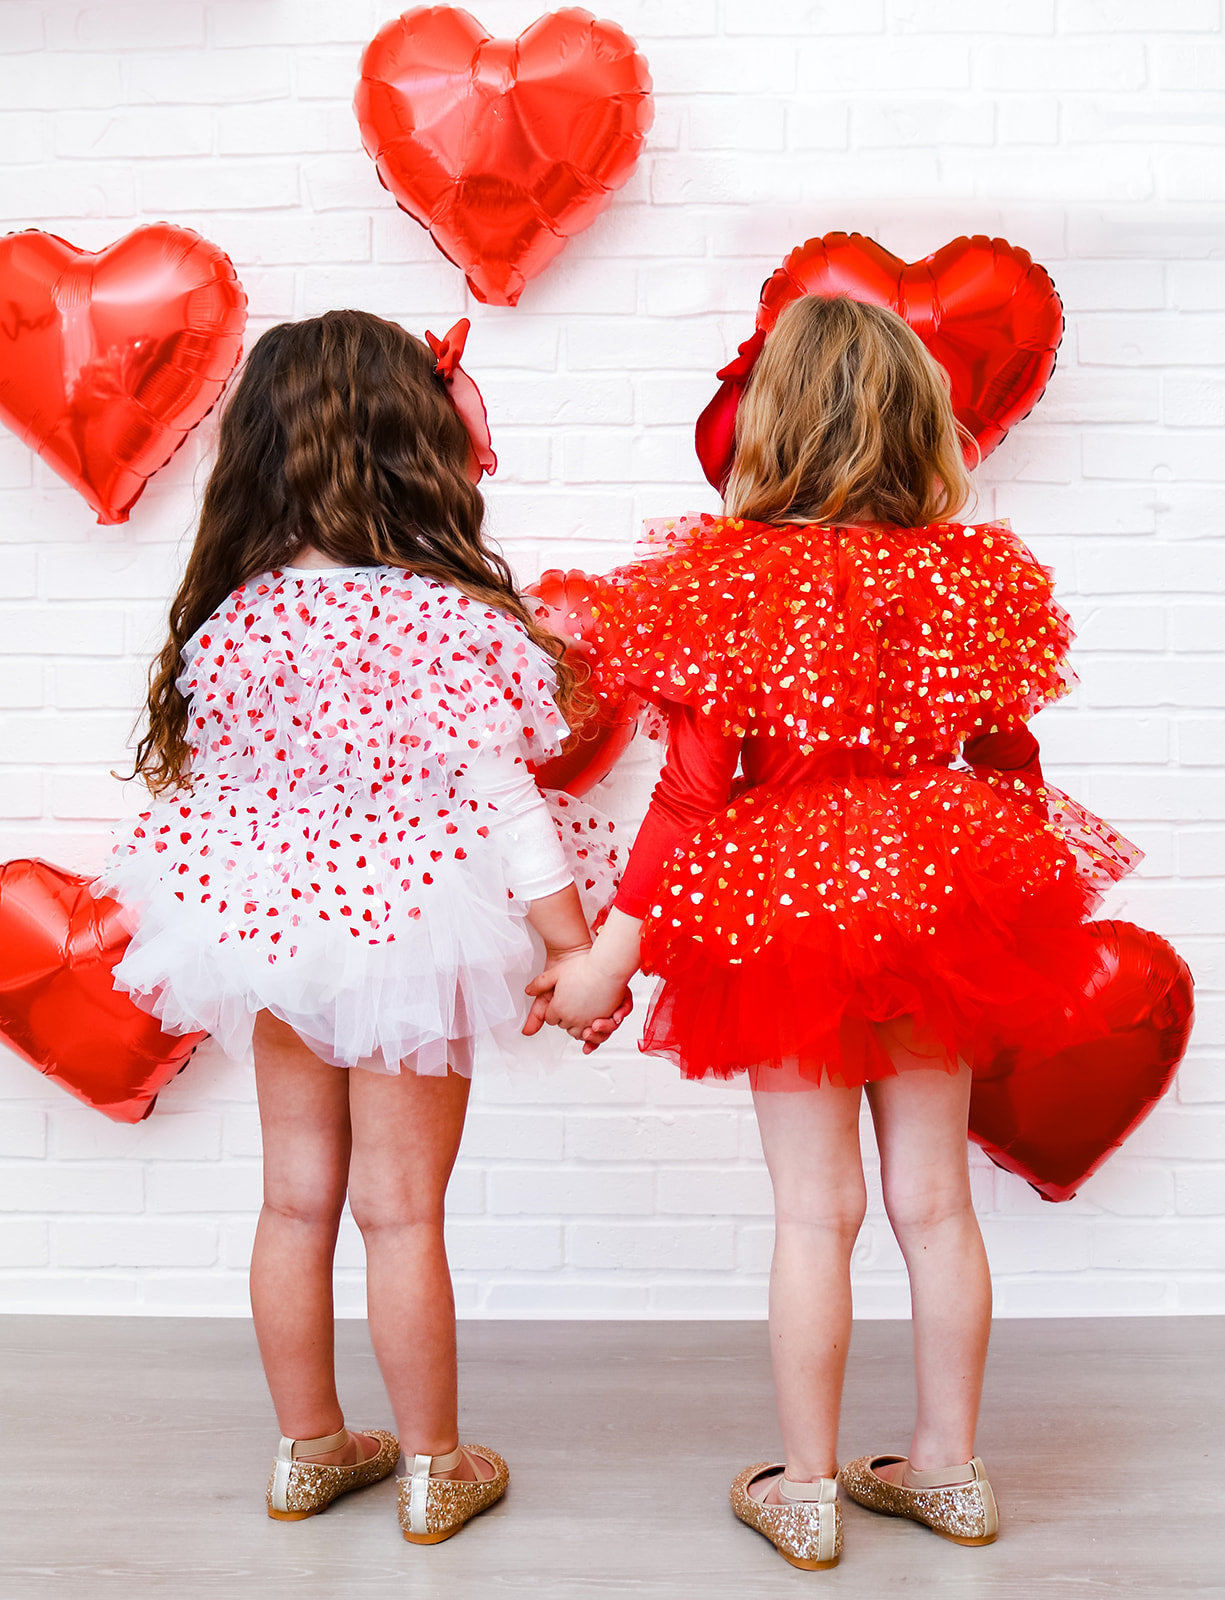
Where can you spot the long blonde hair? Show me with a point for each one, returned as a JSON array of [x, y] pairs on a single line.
[[846, 419]]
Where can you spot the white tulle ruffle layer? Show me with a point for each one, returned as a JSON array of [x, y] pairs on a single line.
[[429, 953], [334, 861]]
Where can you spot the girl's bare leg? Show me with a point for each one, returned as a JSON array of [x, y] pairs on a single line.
[[920, 1118], [811, 1142], [406, 1133], [304, 1117]]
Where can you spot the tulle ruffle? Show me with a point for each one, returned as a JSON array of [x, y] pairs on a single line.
[[332, 862], [370, 676], [1101, 854], [802, 918], [902, 641], [593, 851], [382, 945], [375, 940]]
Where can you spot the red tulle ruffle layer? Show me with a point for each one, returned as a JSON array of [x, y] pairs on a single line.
[[904, 642], [802, 918]]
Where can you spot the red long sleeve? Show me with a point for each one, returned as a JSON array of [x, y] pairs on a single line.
[[694, 784], [1009, 763], [1005, 752]]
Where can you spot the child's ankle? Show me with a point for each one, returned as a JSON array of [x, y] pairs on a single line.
[[925, 1459]]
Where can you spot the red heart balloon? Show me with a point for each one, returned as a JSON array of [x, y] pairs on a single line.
[[58, 1005], [109, 359], [502, 148], [566, 609], [1053, 1117], [987, 312]]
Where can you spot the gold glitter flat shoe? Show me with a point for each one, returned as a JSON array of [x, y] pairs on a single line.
[[434, 1508], [806, 1530], [955, 1502], [299, 1488]]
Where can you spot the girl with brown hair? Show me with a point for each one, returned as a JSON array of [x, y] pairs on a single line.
[[341, 854], [829, 904]]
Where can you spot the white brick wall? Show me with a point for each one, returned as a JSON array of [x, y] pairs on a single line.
[[1088, 131]]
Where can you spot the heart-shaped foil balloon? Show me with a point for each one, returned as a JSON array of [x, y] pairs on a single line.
[[1053, 1111], [502, 148], [987, 312], [565, 608], [109, 359], [58, 1005]]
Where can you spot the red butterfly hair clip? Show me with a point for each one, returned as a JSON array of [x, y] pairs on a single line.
[[464, 395]]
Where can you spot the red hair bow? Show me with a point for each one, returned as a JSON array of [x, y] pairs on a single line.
[[464, 395], [715, 434]]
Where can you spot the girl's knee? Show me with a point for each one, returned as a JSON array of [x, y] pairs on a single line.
[[311, 1204], [378, 1207], [837, 1208], [914, 1209]]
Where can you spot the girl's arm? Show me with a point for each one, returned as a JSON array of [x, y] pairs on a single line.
[[1010, 763], [532, 857], [1016, 751], [535, 865], [695, 783], [558, 919]]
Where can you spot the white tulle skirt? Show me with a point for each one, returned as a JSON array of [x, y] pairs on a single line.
[[383, 945]]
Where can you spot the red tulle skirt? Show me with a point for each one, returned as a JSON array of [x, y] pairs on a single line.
[[803, 919]]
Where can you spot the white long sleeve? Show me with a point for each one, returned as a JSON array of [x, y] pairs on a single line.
[[523, 829]]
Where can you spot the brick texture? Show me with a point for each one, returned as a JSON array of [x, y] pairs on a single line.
[[1087, 131]]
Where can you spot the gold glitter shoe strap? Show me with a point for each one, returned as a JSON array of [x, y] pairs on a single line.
[[419, 1484], [822, 1495], [822, 1491], [288, 1453], [941, 1477], [291, 1449]]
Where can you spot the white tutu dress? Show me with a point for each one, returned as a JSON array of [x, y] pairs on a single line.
[[361, 836]]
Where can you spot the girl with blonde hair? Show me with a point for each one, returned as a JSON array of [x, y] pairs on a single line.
[[831, 904]]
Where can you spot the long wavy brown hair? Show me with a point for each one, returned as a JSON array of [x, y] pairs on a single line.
[[846, 419], [339, 436]]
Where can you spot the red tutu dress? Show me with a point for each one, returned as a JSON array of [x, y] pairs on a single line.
[[812, 863]]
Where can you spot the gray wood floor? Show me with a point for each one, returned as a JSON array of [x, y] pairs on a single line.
[[136, 1453]]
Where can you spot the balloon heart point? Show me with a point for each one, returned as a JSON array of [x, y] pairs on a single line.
[[59, 1007], [109, 359], [502, 148], [1052, 1113]]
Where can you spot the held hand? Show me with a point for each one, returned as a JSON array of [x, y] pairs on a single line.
[[576, 993], [604, 1027], [586, 991], [540, 1005], [542, 986]]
